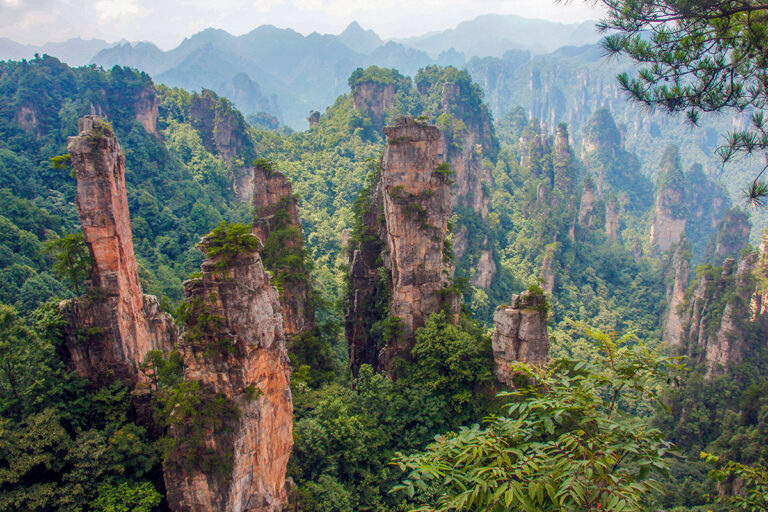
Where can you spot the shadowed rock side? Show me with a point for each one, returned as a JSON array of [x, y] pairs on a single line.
[[374, 99], [677, 278], [520, 335], [276, 214], [669, 216], [398, 268], [234, 347], [224, 131], [719, 322], [111, 329], [466, 140]]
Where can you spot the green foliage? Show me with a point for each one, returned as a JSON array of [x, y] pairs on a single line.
[[73, 259], [127, 497], [562, 444], [374, 74], [227, 241]]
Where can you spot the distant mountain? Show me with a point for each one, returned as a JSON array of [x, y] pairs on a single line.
[[75, 52], [359, 39], [492, 35]]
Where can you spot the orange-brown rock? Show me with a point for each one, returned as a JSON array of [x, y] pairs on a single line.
[[520, 335], [112, 328], [397, 269], [234, 347], [276, 213], [417, 204]]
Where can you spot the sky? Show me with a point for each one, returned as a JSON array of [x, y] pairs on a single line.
[[167, 22]]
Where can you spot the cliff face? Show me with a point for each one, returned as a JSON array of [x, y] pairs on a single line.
[[417, 205], [147, 111], [118, 323], [677, 278], [723, 321], [276, 223], [398, 269], [224, 131], [520, 335], [732, 235], [670, 213], [234, 348], [374, 99]]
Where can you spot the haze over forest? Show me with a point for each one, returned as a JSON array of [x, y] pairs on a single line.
[[431, 260]]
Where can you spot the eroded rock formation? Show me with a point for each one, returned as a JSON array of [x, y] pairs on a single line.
[[374, 99], [234, 348], [147, 110], [398, 270], [670, 213], [276, 223], [520, 335], [224, 131], [110, 329], [677, 277]]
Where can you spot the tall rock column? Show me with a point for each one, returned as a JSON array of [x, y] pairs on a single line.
[[678, 276], [111, 329], [234, 350], [520, 335], [416, 200], [277, 225], [670, 213]]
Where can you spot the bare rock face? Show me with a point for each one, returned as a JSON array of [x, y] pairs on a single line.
[[587, 206], [374, 99], [611, 219], [670, 212], [276, 211], [716, 320], [548, 272], [146, 110], [731, 236], [112, 328], [520, 335], [224, 131], [234, 347], [26, 118], [417, 204], [400, 263], [677, 277], [485, 269]]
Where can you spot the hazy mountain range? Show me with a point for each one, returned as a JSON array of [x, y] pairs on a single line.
[[286, 74]]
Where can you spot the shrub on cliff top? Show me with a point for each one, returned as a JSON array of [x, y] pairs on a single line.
[[229, 240]]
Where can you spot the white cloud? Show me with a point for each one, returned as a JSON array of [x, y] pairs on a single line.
[[115, 9]]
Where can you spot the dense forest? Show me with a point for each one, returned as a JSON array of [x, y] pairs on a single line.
[[652, 298]]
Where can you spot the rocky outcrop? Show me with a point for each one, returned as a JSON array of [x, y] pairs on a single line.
[[587, 205], [732, 235], [417, 204], [612, 219], [520, 335], [677, 278], [234, 351], [314, 118], [146, 110], [276, 223], [398, 269], [374, 99], [26, 118], [670, 213], [720, 327], [224, 131], [111, 329]]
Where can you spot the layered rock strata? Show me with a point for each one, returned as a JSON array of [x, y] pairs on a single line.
[[276, 223], [110, 329], [520, 335], [400, 265], [234, 348]]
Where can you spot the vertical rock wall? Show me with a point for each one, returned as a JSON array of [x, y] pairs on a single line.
[[113, 327], [520, 335], [374, 99], [234, 347], [277, 213], [417, 204]]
